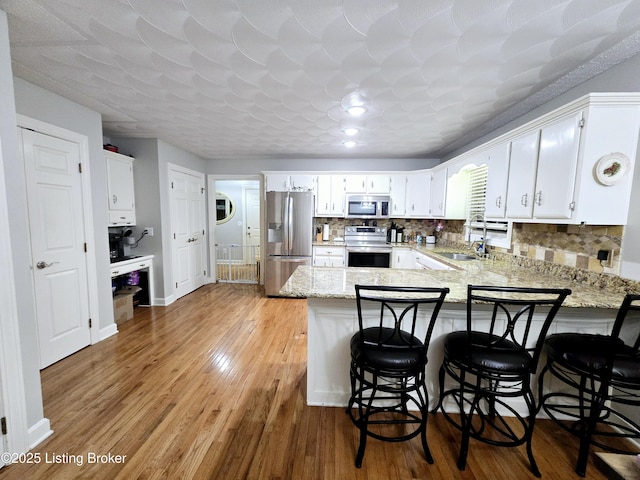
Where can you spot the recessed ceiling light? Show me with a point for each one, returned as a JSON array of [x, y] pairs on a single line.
[[349, 143], [356, 110], [351, 131]]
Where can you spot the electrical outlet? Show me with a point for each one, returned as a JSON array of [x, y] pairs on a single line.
[[605, 257], [149, 231]]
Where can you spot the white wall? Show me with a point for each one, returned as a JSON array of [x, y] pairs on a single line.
[[35, 102], [151, 183], [19, 234]]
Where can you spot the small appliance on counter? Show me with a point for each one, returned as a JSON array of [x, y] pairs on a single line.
[[325, 232], [116, 248]]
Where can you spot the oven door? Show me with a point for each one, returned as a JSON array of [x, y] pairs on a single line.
[[368, 257]]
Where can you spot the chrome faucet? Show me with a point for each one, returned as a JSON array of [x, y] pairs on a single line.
[[483, 247]]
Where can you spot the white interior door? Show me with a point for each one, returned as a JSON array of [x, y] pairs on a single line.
[[252, 224], [188, 230], [59, 265]]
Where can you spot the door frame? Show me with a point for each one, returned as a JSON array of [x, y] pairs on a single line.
[[11, 375], [211, 207], [87, 208]]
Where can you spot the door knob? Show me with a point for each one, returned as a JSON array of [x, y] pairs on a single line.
[[42, 265]]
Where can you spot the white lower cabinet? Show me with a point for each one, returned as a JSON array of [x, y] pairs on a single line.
[[425, 262], [403, 257], [328, 256]]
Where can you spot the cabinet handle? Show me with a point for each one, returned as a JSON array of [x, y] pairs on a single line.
[[326, 206], [114, 198], [499, 201], [372, 184], [363, 184], [539, 198], [523, 200]]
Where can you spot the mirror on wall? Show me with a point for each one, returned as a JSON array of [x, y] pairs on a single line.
[[224, 208]]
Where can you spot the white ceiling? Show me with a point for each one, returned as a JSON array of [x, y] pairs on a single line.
[[270, 78]]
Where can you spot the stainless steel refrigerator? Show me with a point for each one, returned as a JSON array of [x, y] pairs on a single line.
[[289, 236]]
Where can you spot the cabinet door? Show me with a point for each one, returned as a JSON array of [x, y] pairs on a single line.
[[418, 194], [398, 195], [356, 183], [557, 164], [497, 178], [522, 175], [120, 189], [379, 184], [301, 183], [323, 195], [438, 193], [337, 195], [277, 183], [404, 258]]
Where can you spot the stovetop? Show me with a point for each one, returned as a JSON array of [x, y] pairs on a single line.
[[365, 236]]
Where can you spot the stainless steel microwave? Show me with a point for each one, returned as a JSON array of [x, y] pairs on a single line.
[[368, 206]]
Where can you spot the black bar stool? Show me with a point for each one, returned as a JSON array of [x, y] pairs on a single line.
[[389, 399], [604, 373], [492, 362]]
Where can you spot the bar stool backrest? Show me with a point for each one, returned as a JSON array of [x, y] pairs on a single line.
[[399, 310], [512, 313]]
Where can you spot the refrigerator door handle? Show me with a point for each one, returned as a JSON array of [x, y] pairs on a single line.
[[290, 224], [286, 225]]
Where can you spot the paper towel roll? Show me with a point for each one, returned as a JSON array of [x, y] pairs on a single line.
[[325, 232]]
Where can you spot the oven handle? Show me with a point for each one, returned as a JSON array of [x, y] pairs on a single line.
[[369, 250]]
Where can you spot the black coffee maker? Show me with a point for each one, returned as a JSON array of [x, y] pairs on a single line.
[[116, 247]]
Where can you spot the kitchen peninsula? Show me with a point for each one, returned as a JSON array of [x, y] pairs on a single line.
[[332, 316]]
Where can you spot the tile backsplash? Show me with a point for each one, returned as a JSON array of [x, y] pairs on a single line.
[[573, 246]]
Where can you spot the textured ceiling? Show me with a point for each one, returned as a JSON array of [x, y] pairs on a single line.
[[272, 78]]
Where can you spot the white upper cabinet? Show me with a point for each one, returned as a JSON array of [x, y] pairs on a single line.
[[497, 160], [122, 208], [438, 192], [330, 195], [301, 183], [398, 195], [457, 193], [542, 171], [286, 182], [557, 166], [522, 176], [573, 165], [378, 184], [418, 194]]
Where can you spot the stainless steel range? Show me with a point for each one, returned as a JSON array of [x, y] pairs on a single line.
[[367, 246]]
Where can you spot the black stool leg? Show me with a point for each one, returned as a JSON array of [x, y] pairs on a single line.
[[441, 387], [424, 412], [530, 401], [465, 423]]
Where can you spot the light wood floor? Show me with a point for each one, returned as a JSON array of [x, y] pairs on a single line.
[[213, 387]]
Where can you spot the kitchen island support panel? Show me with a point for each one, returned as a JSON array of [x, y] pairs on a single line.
[[332, 322]]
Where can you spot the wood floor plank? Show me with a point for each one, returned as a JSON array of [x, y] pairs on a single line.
[[212, 387]]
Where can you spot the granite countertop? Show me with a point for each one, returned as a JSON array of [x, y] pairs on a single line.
[[335, 282]]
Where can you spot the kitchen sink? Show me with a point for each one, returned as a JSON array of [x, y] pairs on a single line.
[[458, 256]]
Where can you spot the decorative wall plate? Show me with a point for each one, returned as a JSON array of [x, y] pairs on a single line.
[[611, 168]]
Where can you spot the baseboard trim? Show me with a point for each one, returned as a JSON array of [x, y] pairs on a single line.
[[39, 432], [108, 332]]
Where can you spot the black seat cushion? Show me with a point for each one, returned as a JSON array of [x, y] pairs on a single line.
[[396, 355], [473, 352], [588, 353]]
